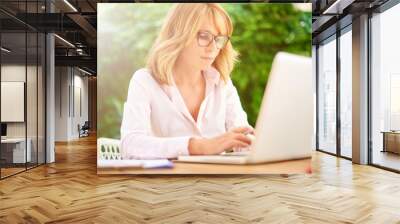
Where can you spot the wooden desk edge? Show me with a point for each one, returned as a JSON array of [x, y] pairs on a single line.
[[302, 166]]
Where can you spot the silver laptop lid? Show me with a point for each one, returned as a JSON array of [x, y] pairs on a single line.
[[285, 124]]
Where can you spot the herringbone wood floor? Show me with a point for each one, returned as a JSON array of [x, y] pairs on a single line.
[[69, 191]]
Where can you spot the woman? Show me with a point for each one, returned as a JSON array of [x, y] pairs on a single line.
[[184, 102]]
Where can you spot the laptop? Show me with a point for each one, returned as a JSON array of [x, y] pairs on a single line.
[[285, 124]]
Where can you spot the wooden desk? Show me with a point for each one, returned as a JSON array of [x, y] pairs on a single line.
[[286, 167], [391, 141], [17, 153]]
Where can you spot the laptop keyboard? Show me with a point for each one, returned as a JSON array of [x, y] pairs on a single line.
[[242, 153]]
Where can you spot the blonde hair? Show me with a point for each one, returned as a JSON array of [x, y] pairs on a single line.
[[182, 24]]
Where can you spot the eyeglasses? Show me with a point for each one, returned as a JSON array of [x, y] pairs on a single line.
[[205, 38]]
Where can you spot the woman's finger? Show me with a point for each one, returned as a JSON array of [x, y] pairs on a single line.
[[240, 144], [241, 149], [243, 138], [243, 129], [251, 130]]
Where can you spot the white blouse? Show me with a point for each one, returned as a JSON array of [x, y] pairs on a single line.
[[157, 124]]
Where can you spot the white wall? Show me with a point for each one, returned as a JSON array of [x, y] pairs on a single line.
[[79, 111], [17, 73], [61, 103], [33, 127], [71, 87]]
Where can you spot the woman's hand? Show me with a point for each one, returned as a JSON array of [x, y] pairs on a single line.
[[235, 138]]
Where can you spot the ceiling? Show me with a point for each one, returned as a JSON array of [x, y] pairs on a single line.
[[76, 22], [332, 15]]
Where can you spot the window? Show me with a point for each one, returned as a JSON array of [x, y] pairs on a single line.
[[385, 88], [22, 76], [327, 96], [346, 92]]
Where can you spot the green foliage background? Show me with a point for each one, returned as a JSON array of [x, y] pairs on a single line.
[[126, 33]]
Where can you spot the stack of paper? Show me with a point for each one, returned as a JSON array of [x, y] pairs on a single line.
[[159, 163]]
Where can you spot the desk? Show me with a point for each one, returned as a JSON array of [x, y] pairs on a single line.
[[391, 141], [18, 151], [285, 167]]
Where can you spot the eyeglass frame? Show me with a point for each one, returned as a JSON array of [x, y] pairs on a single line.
[[213, 39]]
